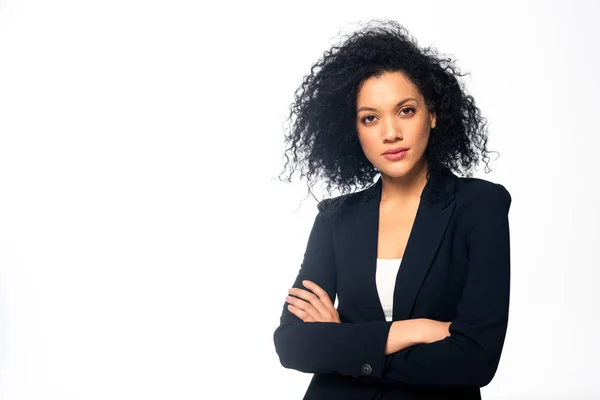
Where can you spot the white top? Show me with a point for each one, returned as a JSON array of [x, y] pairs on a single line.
[[385, 277]]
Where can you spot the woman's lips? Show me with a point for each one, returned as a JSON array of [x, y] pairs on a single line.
[[395, 156]]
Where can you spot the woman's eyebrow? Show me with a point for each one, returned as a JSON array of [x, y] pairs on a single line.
[[397, 105]]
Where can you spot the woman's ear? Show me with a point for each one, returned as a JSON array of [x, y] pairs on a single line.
[[433, 120]]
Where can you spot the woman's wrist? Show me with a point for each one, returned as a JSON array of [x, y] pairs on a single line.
[[403, 334]]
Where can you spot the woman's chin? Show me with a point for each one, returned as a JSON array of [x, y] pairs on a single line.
[[397, 171]]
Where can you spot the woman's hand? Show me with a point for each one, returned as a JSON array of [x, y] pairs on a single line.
[[311, 307], [410, 332], [430, 330]]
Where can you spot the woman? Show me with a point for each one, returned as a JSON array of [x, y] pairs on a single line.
[[419, 260]]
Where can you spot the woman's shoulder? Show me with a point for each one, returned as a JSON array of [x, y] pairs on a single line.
[[338, 205], [469, 192], [473, 191]]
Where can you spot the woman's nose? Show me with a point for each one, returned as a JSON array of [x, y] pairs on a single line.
[[391, 130]]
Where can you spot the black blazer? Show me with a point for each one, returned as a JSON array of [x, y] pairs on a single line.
[[456, 267]]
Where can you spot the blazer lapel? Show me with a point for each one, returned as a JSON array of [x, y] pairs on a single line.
[[361, 233], [425, 237]]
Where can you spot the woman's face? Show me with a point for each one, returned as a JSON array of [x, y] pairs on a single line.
[[391, 114]]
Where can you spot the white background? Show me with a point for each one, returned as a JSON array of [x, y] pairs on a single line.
[[145, 248]]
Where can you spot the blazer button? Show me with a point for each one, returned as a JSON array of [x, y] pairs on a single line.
[[366, 369]]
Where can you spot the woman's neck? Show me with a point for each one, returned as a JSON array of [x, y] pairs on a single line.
[[403, 189]]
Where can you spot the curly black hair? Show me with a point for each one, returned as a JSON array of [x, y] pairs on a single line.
[[323, 139]]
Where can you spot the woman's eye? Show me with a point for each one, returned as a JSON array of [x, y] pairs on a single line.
[[404, 111], [368, 116]]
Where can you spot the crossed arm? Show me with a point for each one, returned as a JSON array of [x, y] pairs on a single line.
[[398, 351], [316, 306]]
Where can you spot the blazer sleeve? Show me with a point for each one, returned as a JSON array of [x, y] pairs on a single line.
[[327, 347], [469, 357]]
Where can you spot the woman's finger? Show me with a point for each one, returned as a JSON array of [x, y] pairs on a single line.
[[311, 298], [331, 314], [304, 306], [303, 315], [322, 294]]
